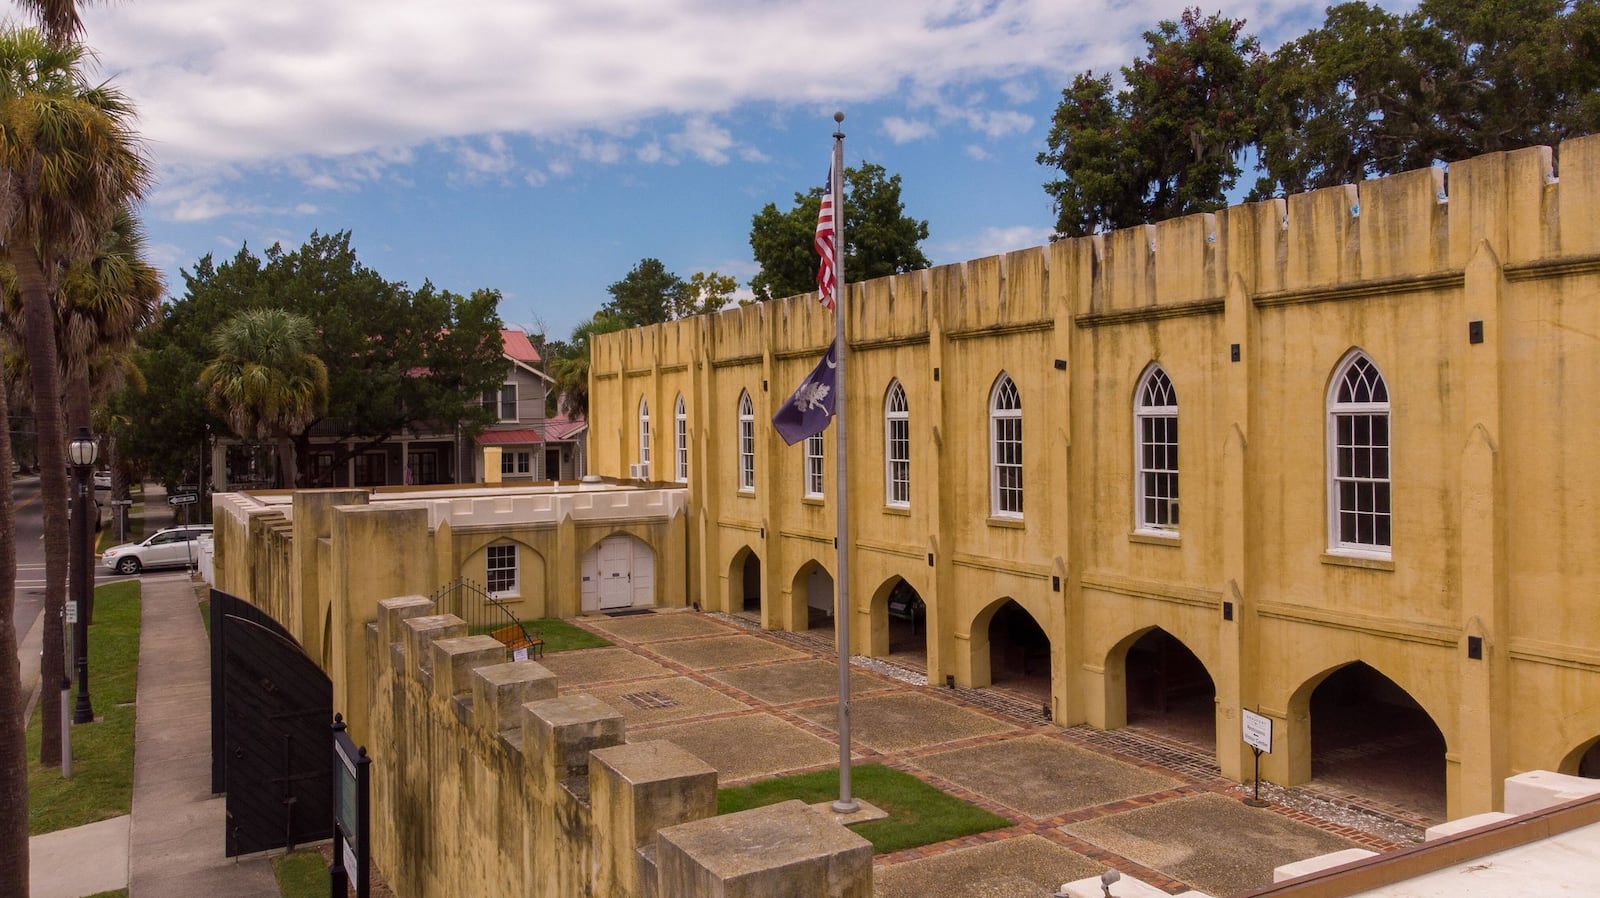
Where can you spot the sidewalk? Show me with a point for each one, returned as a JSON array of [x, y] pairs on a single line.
[[172, 845]]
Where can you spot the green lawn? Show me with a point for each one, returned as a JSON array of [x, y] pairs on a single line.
[[559, 636], [302, 874], [102, 752], [919, 814]]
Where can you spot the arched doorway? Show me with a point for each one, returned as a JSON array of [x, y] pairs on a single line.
[[618, 572], [744, 583], [1019, 652], [1584, 761], [812, 595], [1169, 690], [900, 624], [1370, 737]]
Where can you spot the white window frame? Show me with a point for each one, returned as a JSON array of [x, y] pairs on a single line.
[[505, 574], [1359, 460], [1005, 449], [1155, 454], [896, 448], [498, 401], [747, 443], [644, 433], [814, 466], [519, 461], [680, 439]]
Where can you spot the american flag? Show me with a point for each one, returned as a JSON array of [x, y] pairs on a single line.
[[827, 273]]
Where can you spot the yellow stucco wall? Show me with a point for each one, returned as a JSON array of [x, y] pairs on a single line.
[[1494, 485]]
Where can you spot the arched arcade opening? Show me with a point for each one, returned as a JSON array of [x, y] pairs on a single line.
[[1169, 690], [744, 583], [1370, 737], [900, 624], [812, 595], [1019, 651]]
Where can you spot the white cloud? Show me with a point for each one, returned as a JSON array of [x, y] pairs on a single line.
[[976, 152], [988, 242], [703, 139], [490, 162], [901, 130]]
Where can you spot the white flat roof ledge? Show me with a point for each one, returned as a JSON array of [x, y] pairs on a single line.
[[1540, 789], [1332, 859], [1126, 887], [1555, 851], [1455, 827]]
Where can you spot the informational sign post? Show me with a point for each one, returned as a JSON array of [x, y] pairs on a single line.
[[1257, 733], [352, 814]]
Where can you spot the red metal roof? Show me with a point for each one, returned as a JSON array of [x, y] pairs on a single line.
[[560, 427], [508, 437], [517, 346]]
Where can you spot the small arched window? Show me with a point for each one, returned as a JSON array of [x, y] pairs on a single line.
[[1359, 511], [680, 440], [1155, 427], [644, 435], [896, 448], [747, 443], [814, 466], [1005, 449]]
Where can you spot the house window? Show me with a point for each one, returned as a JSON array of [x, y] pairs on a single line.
[[1005, 449], [1358, 458], [644, 434], [372, 469], [747, 444], [896, 448], [680, 440], [1155, 427], [501, 575], [814, 466], [516, 462], [505, 404]]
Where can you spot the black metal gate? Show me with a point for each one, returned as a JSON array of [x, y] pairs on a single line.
[[271, 742]]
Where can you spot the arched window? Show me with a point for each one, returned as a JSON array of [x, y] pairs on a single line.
[[896, 448], [814, 466], [747, 444], [1358, 458], [680, 439], [1005, 449], [644, 436], [1155, 427]]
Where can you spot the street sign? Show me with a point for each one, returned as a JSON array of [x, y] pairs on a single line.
[[185, 499], [117, 502], [72, 612], [1257, 731]]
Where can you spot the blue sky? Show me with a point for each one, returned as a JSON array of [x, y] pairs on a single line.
[[543, 148]]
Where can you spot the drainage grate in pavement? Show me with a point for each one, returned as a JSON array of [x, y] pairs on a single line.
[[649, 701]]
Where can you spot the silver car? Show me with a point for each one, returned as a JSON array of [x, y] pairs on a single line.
[[172, 547]]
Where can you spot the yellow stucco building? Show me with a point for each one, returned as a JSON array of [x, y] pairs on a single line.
[[1343, 438]]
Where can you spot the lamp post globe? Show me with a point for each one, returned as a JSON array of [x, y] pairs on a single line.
[[82, 450]]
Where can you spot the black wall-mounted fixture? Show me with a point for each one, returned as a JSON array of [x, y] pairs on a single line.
[[949, 681], [936, 375], [1055, 583], [1475, 648], [1474, 331], [1233, 351], [930, 559], [763, 386], [1227, 611], [1061, 364]]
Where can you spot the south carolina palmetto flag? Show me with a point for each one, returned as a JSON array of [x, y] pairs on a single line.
[[809, 409]]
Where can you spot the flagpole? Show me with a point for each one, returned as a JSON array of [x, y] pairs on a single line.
[[841, 584]]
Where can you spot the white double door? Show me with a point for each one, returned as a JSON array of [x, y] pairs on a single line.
[[619, 572]]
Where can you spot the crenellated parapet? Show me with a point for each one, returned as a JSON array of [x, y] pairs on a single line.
[[488, 781]]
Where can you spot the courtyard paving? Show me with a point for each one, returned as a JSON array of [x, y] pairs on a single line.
[[756, 704]]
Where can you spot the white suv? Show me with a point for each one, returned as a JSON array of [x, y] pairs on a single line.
[[172, 547]]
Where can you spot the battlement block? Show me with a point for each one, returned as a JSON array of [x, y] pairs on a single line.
[[393, 613], [455, 658], [635, 790], [780, 849], [559, 733], [420, 634], [500, 690]]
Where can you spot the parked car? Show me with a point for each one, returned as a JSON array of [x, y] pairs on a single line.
[[172, 547], [102, 480]]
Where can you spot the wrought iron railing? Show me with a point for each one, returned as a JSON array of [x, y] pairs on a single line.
[[486, 614]]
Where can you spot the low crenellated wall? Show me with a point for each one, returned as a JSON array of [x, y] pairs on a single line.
[[487, 783]]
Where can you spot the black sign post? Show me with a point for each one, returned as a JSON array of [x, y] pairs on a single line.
[[352, 813]]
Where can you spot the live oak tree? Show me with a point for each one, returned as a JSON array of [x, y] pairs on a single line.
[[879, 237], [396, 358]]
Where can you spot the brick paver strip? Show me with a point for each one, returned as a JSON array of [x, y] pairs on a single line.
[[724, 651]]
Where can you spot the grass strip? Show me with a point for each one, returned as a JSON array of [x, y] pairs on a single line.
[[559, 636], [919, 814], [301, 874], [102, 752]]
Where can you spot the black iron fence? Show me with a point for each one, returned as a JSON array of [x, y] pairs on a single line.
[[486, 614]]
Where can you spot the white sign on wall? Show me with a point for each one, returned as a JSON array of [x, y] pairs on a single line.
[[1257, 731]]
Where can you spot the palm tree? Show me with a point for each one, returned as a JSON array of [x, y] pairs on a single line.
[[570, 369], [265, 382], [69, 161]]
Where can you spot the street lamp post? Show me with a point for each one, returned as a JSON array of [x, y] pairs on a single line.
[[82, 450]]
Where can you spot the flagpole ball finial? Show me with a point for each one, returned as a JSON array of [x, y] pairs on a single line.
[[838, 117]]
